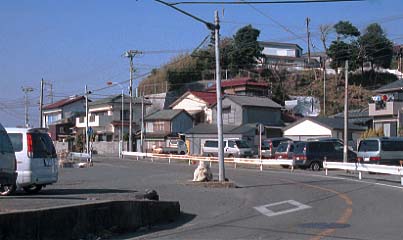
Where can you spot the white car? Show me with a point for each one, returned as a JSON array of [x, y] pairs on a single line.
[[8, 172], [37, 164]]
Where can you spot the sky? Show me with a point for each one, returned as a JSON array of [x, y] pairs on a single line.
[[73, 43]]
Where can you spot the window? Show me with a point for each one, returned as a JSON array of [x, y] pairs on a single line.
[[241, 144], [16, 140], [158, 126], [5, 144], [368, 146], [226, 109], [211, 144], [92, 118], [231, 144]]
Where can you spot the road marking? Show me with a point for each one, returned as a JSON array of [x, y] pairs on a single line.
[[296, 206]]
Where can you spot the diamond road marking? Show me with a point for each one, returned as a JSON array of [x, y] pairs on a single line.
[[265, 209]]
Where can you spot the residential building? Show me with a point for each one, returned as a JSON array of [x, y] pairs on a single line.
[[105, 117], [239, 110], [282, 55], [198, 104], [161, 126], [322, 127], [243, 86], [386, 107], [60, 116]]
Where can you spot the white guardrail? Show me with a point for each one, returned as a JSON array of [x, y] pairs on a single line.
[[190, 159], [359, 167], [362, 167]]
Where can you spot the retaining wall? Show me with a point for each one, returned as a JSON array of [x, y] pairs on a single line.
[[78, 221]]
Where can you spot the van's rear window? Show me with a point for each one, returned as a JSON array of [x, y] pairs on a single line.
[[16, 140], [211, 144], [42, 145], [368, 146], [299, 148]]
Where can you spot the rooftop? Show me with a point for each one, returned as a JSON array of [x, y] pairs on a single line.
[[63, 102], [253, 101], [166, 114], [391, 87]]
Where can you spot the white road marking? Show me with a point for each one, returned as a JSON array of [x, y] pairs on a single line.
[[265, 209]]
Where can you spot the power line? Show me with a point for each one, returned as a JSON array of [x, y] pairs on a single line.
[[263, 2]]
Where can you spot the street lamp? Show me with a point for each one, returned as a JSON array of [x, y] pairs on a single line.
[[121, 130]]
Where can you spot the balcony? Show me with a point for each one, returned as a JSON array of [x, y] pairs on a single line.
[[387, 109], [94, 121]]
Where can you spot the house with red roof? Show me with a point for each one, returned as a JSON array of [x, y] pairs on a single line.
[[198, 104], [60, 116], [243, 86]]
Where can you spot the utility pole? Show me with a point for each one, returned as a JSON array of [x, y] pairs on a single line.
[[130, 54], [26, 90], [142, 123], [308, 20], [345, 150], [324, 86], [221, 174], [87, 137], [41, 106]]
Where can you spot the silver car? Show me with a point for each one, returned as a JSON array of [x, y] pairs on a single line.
[[381, 150]]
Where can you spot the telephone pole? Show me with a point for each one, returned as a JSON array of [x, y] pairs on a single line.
[[41, 106], [345, 150], [130, 54], [26, 90], [308, 20]]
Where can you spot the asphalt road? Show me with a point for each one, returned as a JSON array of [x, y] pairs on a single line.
[[273, 204]]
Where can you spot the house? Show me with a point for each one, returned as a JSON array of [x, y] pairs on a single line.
[[243, 86], [105, 117], [319, 127], [198, 104], [239, 110], [60, 116], [386, 108], [358, 117], [161, 126], [282, 55]]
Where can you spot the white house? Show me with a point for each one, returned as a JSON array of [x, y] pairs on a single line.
[[198, 104], [320, 127]]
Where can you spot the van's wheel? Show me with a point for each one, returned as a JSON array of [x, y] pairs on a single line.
[[315, 166], [182, 153], [6, 190], [230, 156], [210, 155], [32, 189]]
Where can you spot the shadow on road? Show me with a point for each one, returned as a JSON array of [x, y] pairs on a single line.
[[182, 220]]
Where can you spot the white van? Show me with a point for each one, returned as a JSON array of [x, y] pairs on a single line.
[[36, 158], [8, 174], [232, 148]]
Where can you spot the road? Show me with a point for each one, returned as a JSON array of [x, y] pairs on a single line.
[[273, 204]]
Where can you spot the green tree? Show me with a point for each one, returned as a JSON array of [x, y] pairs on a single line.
[[246, 49], [376, 47], [345, 47]]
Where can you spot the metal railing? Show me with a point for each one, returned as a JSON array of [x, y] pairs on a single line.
[[191, 159], [362, 167]]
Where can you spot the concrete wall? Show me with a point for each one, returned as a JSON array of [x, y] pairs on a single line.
[[106, 148], [78, 221]]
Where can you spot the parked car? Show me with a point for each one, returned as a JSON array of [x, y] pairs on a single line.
[[311, 154], [232, 148], [381, 150], [8, 174], [174, 147], [36, 158], [270, 145], [285, 150]]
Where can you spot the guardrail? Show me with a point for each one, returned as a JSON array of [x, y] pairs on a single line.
[[190, 159], [361, 167]]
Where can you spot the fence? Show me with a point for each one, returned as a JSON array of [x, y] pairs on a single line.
[[235, 161], [359, 167]]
